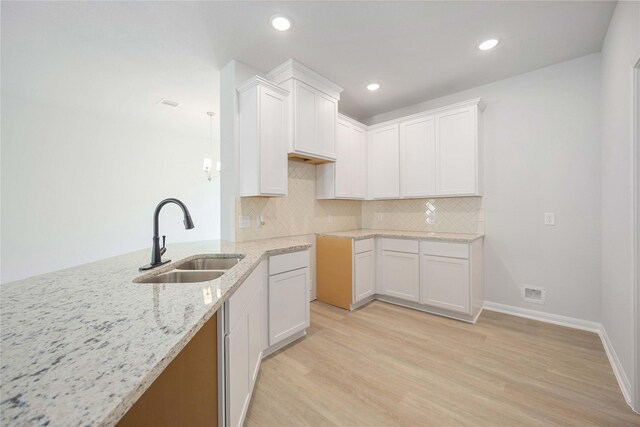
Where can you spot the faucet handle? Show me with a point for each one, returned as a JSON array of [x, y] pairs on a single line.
[[163, 249]]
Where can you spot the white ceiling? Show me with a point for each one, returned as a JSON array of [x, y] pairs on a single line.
[[415, 50]]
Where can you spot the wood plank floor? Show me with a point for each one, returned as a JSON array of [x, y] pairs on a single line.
[[384, 365]]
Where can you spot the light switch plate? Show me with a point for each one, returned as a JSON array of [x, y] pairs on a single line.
[[549, 218]]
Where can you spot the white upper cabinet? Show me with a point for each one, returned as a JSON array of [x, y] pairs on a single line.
[[358, 164], [457, 151], [312, 111], [418, 157], [384, 162], [346, 178], [440, 154], [306, 114], [262, 139], [327, 119], [342, 173]]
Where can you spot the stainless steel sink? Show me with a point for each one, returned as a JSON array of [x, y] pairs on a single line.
[[196, 270], [210, 263], [178, 276]]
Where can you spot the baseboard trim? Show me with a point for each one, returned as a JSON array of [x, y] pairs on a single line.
[[427, 308], [279, 346], [556, 319], [572, 322], [623, 380]]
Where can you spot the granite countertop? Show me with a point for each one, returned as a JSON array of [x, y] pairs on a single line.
[[81, 345], [368, 233]]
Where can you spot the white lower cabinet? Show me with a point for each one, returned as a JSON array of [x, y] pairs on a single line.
[[445, 283], [365, 275], [244, 344], [401, 275], [288, 304], [264, 311]]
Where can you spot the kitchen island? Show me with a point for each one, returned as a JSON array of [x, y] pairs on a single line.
[[80, 346]]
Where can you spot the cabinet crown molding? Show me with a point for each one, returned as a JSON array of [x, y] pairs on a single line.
[[292, 69], [257, 80], [475, 101]]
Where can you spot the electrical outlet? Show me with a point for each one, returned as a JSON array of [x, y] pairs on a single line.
[[380, 216], [260, 221], [549, 218], [244, 221]]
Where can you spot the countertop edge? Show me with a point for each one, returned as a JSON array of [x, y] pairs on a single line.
[[400, 235]]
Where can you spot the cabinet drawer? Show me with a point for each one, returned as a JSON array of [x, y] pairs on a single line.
[[364, 245], [401, 245], [446, 249], [287, 262]]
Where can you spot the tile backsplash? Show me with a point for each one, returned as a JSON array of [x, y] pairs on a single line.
[[300, 213], [453, 215]]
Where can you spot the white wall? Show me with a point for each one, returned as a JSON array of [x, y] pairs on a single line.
[[86, 151], [541, 137], [620, 52]]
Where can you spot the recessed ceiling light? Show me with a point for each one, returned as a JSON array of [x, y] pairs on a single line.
[[281, 22], [373, 86], [488, 44]]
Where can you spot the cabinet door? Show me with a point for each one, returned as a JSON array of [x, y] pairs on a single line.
[[384, 171], [288, 304], [343, 161], [273, 143], [254, 322], [445, 283], [401, 275], [238, 371], [456, 144], [365, 275], [418, 158], [306, 116], [327, 119], [357, 164]]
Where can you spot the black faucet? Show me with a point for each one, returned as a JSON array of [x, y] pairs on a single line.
[[156, 251]]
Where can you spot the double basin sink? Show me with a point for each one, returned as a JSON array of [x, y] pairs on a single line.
[[196, 270]]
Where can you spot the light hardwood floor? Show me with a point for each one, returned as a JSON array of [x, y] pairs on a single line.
[[384, 365]]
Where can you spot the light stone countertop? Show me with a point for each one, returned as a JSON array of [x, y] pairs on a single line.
[[368, 233], [81, 345]]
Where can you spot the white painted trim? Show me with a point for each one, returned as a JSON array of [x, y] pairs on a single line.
[[635, 185], [257, 80], [282, 344], [428, 308], [623, 380], [556, 319], [475, 101], [572, 322], [342, 116]]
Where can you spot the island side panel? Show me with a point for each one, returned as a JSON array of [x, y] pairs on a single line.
[[334, 267], [186, 392]]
